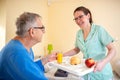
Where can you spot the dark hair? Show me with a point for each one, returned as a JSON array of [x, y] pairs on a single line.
[[25, 21], [86, 11]]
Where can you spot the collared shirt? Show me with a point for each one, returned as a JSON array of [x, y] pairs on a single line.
[[16, 63], [95, 47]]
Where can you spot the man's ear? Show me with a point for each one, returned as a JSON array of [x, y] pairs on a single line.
[[31, 32]]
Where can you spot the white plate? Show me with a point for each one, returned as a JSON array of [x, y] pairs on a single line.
[[78, 70]]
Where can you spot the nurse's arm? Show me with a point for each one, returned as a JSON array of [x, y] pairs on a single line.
[[111, 53], [72, 52]]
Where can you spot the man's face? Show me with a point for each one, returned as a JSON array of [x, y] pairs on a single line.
[[38, 30]]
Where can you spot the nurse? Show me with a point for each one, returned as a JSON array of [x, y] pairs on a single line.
[[92, 40]]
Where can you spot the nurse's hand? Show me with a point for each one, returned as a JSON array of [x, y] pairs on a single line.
[[99, 66]]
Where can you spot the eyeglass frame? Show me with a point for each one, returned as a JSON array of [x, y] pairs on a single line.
[[39, 27], [42, 28], [79, 17]]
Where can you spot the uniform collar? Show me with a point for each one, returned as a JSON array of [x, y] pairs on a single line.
[[90, 35]]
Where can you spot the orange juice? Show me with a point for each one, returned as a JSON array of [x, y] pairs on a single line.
[[59, 58]]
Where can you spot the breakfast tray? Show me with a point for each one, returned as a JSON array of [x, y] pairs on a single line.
[[78, 70]]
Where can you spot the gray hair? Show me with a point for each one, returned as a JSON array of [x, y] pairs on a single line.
[[24, 22]]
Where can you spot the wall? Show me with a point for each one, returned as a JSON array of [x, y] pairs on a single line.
[[62, 28], [2, 23]]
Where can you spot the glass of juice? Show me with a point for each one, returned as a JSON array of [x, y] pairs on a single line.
[[59, 58]]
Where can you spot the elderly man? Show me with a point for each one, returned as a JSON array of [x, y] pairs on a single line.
[[17, 57]]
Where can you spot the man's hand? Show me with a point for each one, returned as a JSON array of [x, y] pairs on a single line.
[[52, 56]]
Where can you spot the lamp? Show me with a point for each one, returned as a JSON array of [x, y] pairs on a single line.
[[50, 48]]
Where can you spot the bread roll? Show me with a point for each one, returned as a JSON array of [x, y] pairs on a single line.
[[75, 60]]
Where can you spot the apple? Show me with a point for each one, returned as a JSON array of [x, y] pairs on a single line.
[[89, 62]]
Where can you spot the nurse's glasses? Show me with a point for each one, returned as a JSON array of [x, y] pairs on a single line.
[[79, 17]]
